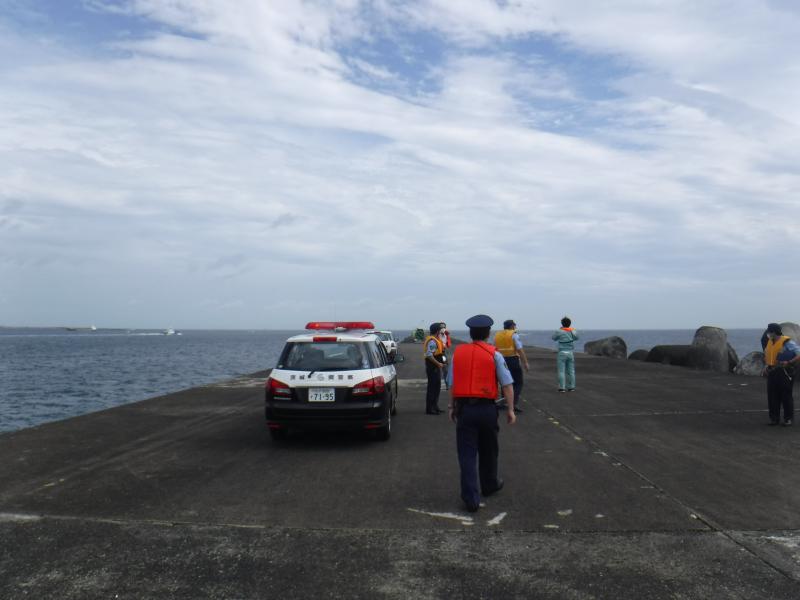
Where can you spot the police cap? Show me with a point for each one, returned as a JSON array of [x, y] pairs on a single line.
[[480, 321], [774, 328]]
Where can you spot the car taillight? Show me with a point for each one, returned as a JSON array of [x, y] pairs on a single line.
[[278, 388], [372, 386]]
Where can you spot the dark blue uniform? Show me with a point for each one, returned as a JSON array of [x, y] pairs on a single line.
[[476, 435], [433, 373]]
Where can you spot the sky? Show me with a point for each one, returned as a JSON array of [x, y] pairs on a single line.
[[260, 164]]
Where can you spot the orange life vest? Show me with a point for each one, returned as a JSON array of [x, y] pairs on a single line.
[[773, 349], [439, 346], [474, 374]]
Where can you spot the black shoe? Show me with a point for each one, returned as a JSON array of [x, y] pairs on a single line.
[[517, 410], [787, 423], [571, 390], [562, 390], [500, 484], [471, 507], [431, 412], [773, 423]]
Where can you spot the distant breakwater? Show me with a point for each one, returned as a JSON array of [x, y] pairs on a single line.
[[710, 350]]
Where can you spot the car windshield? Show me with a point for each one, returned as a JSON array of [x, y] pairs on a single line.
[[324, 356], [385, 337]]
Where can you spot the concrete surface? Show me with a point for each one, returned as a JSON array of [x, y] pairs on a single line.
[[648, 481]]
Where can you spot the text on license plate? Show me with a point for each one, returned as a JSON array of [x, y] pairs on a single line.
[[321, 395]]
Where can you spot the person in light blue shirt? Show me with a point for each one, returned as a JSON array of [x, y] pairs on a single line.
[[565, 360]]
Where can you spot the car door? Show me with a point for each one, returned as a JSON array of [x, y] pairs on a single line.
[[388, 370]]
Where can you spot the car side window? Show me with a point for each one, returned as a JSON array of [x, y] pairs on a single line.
[[382, 352], [375, 354]]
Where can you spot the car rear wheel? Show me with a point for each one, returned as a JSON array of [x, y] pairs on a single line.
[[385, 432]]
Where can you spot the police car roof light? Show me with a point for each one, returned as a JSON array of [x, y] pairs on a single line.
[[339, 325]]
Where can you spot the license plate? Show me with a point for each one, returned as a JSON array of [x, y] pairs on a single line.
[[321, 395]]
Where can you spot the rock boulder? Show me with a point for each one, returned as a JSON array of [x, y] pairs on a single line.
[[752, 364], [612, 347], [639, 355], [674, 354], [792, 330], [709, 350]]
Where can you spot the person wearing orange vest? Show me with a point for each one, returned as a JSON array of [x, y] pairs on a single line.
[[565, 360], [780, 355], [434, 363], [509, 345], [475, 371]]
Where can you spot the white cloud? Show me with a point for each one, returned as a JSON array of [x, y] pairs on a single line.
[[242, 145]]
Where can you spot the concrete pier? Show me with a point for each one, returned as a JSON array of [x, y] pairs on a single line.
[[649, 481]]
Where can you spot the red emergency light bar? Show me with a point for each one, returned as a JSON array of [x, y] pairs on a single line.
[[339, 325]]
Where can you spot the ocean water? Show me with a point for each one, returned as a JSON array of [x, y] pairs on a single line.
[[53, 374]]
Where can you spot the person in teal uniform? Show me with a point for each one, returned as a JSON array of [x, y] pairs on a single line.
[[565, 360]]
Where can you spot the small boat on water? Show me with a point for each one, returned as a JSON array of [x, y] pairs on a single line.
[[171, 331]]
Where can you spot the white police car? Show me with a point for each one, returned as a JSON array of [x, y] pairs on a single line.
[[338, 376]]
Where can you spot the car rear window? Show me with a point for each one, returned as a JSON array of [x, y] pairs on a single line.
[[324, 356]]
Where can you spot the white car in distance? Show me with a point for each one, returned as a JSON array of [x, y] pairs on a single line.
[[388, 341]]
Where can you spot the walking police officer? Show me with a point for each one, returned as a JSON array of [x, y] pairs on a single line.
[[510, 346], [475, 370]]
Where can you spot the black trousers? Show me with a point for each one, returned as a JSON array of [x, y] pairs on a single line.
[[478, 448], [434, 386], [515, 367], [779, 394]]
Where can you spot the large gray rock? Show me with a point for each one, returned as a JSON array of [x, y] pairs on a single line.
[[752, 364], [612, 347], [792, 330], [639, 355], [672, 354], [709, 350]]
